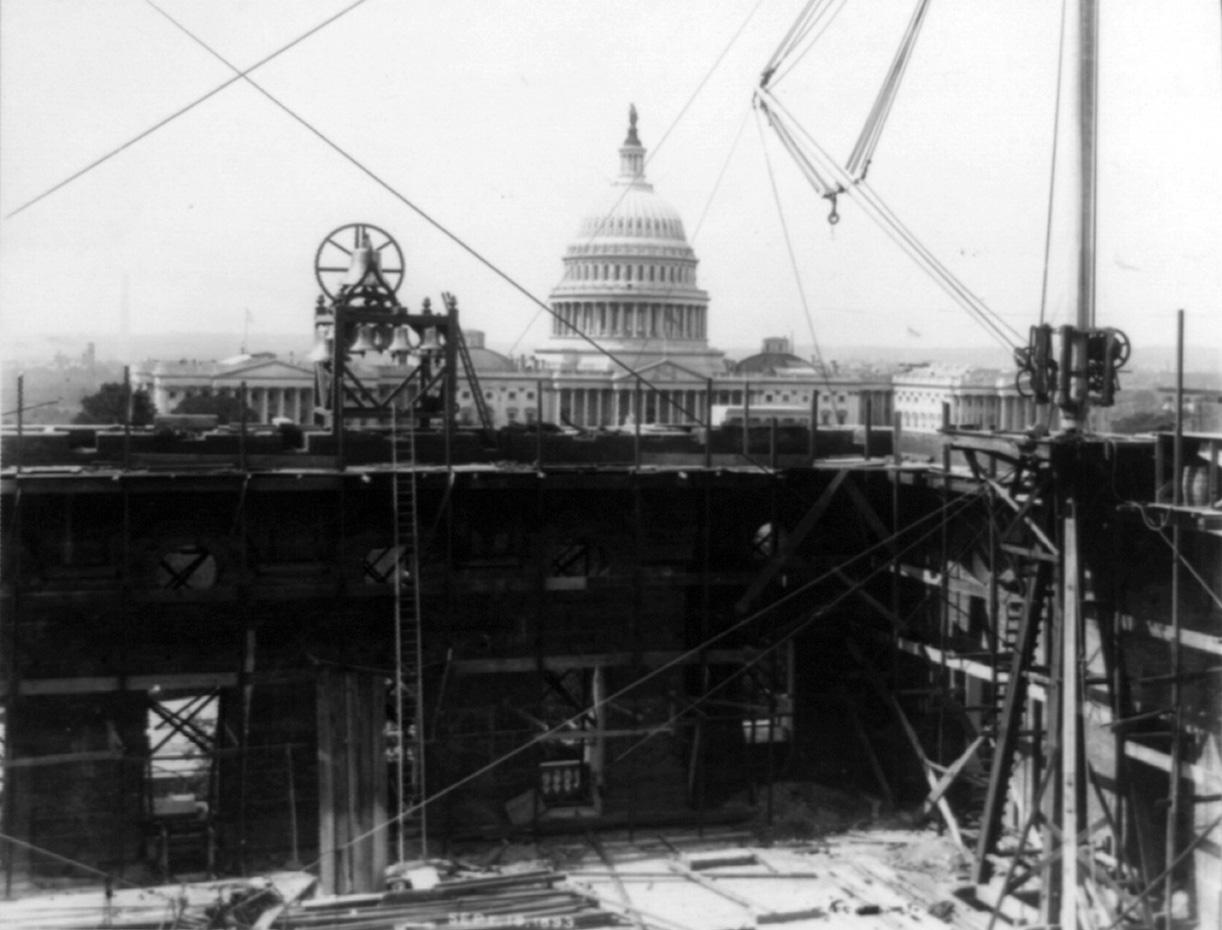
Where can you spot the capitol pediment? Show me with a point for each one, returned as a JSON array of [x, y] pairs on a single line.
[[260, 369], [663, 371]]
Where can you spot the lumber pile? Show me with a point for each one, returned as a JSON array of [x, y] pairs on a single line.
[[237, 902], [524, 899]]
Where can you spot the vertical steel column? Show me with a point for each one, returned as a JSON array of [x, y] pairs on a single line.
[[450, 398], [1177, 500], [20, 422], [9, 624], [1072, 783], [127, 417], [242, 395], [869, 436], [1055, 748], [746, 419], [539, 423], [814, 425], [339, 336], [636, 419]]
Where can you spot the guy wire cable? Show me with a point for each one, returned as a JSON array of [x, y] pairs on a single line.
[[177, 113], [793, 263], [436, 224], [895, 229]]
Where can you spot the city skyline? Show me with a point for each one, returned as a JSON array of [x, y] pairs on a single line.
[[506, 134]]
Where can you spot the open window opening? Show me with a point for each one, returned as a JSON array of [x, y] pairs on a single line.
[[182, 781]]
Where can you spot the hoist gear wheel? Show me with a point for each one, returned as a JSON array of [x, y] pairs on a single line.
[[332, 261]]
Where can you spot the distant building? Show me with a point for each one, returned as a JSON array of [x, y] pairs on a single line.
[[1202, 401], [275, 389], [977, 398]]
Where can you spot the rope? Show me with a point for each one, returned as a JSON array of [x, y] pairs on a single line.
[[883, 217], [1052, 177], [453, 237], [863, 151], [683, 657], [419, 211], [720, 176], [793, 263], [1188, 565], [811, 18], [190, 106]]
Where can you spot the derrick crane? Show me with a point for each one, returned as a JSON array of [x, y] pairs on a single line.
[[374, 358]]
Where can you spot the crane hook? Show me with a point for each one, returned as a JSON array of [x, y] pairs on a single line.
[[833, 218]]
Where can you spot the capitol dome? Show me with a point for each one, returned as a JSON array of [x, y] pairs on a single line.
[[635, 213], [630, 281]]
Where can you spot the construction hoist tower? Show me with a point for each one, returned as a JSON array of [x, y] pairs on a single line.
[[374, 358], [379, 365]]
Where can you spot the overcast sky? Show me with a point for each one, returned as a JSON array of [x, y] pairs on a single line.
[[502, 121]]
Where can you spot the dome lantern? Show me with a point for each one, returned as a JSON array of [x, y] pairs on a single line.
[[632, 154]]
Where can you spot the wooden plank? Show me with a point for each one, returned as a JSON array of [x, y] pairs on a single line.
[[949, 777], [1010, 719], [102, 683], [1022, 511], [565, 663], [1071, 742], [1037, 555], [719, 859], [1205, 779], [353, 851], [1193, 639], [62, 758], [876, 681], [867, 511], [956, 583], [752, 907], [381, 779], [326, 784], [896, 622], [795, 538]]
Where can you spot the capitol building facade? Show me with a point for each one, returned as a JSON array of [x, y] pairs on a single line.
[[629, 346]]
